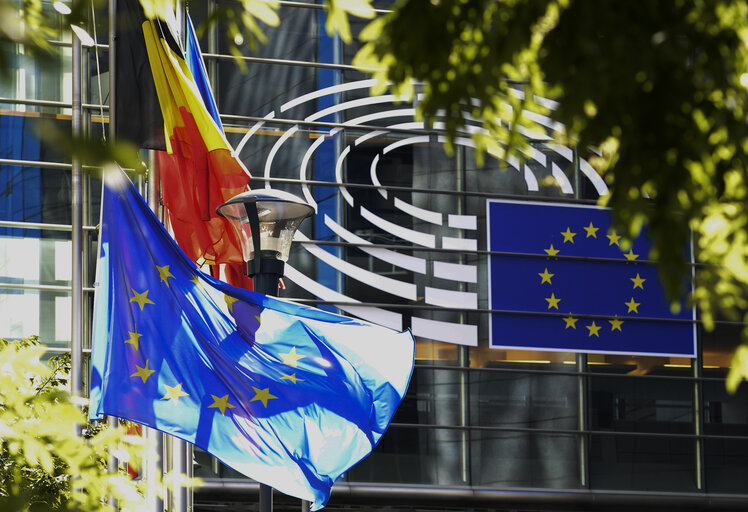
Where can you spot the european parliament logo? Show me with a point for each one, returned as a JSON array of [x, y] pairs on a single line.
[[560, 280]]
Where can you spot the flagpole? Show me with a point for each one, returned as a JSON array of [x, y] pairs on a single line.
[[112, 421], [76, 335]]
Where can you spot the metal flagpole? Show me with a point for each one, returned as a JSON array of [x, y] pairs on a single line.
[[76, 335], [112, 421], [181, 452]]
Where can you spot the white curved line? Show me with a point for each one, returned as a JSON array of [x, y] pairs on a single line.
[[410, 112], [375, 179], [350, 86], [429, 216], [561, 178], [380, 282], [411, 263], [459, 334], [361, 102], [283, 138], [409, 235], [418, 139], [302, 170], [339, 175], [252, 131], [594, 177], [370, 314]]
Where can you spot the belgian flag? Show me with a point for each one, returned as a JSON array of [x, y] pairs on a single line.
[[198, 171]]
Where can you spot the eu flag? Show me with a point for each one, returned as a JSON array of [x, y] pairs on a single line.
[[562, 281], [289, 395]]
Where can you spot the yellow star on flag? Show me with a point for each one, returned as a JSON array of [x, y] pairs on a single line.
[[614, 238], [552, 301], [291, 358], [196, 280], [551, 251], [164, 273], [546, 276], [571, 322], [568, 235], [143, 373], [633, 306], [230, 302], [594, 328], [630, 255], [615, 324], [293, 378], [174, 392], [133, 339], [221, 404], [591, 231], [638, 281], [263, 395], [141, 298]]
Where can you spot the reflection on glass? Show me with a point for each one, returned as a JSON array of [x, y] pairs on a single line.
[[519, 459]]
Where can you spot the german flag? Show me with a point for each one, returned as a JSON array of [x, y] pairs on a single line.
[[198, 171]]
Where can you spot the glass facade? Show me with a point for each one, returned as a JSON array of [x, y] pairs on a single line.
[[399, 239]]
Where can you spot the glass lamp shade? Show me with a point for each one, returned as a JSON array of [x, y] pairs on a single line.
[[279, 215]]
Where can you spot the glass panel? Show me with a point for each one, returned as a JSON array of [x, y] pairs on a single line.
[[432, 398], [726, 465], [25, 313], [627, 404], [35, 261], [642, 463], [414, 456], [524, 459], [509, 399], [726, 460]]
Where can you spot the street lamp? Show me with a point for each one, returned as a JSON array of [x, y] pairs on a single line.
[[266, 221]]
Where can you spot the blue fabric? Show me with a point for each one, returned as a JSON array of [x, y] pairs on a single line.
[[194, 58], [289, 395], [604, 289]]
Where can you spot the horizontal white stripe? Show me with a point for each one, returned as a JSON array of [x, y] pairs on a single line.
[[392, 257], [419, 213], [462, 221], [385, 284], [409, 235], [451, 298], [460, 334], [456, 272], [465, 244], [370, 314]]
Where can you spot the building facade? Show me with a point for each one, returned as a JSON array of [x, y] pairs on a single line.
[[400, 239]]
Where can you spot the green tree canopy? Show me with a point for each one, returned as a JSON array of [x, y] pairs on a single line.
[[658, 89]]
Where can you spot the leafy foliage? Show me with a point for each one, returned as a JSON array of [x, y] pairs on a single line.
[[659, 89], [44, 463]]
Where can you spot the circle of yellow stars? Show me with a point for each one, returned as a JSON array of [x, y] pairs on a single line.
[[174, 393], [546, 276]]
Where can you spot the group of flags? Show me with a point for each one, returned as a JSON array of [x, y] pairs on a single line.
[[288, 395]]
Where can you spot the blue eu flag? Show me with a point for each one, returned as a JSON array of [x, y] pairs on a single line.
[[564, 283], [286, 394]]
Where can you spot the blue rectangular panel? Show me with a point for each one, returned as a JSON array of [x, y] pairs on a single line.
[[562, 282]]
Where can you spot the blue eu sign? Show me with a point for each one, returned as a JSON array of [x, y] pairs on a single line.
[[561, 281]]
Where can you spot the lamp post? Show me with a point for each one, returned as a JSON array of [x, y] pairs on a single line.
[[266, 221]]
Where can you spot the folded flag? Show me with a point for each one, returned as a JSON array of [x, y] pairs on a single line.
[[562, 281], [288, 395]]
